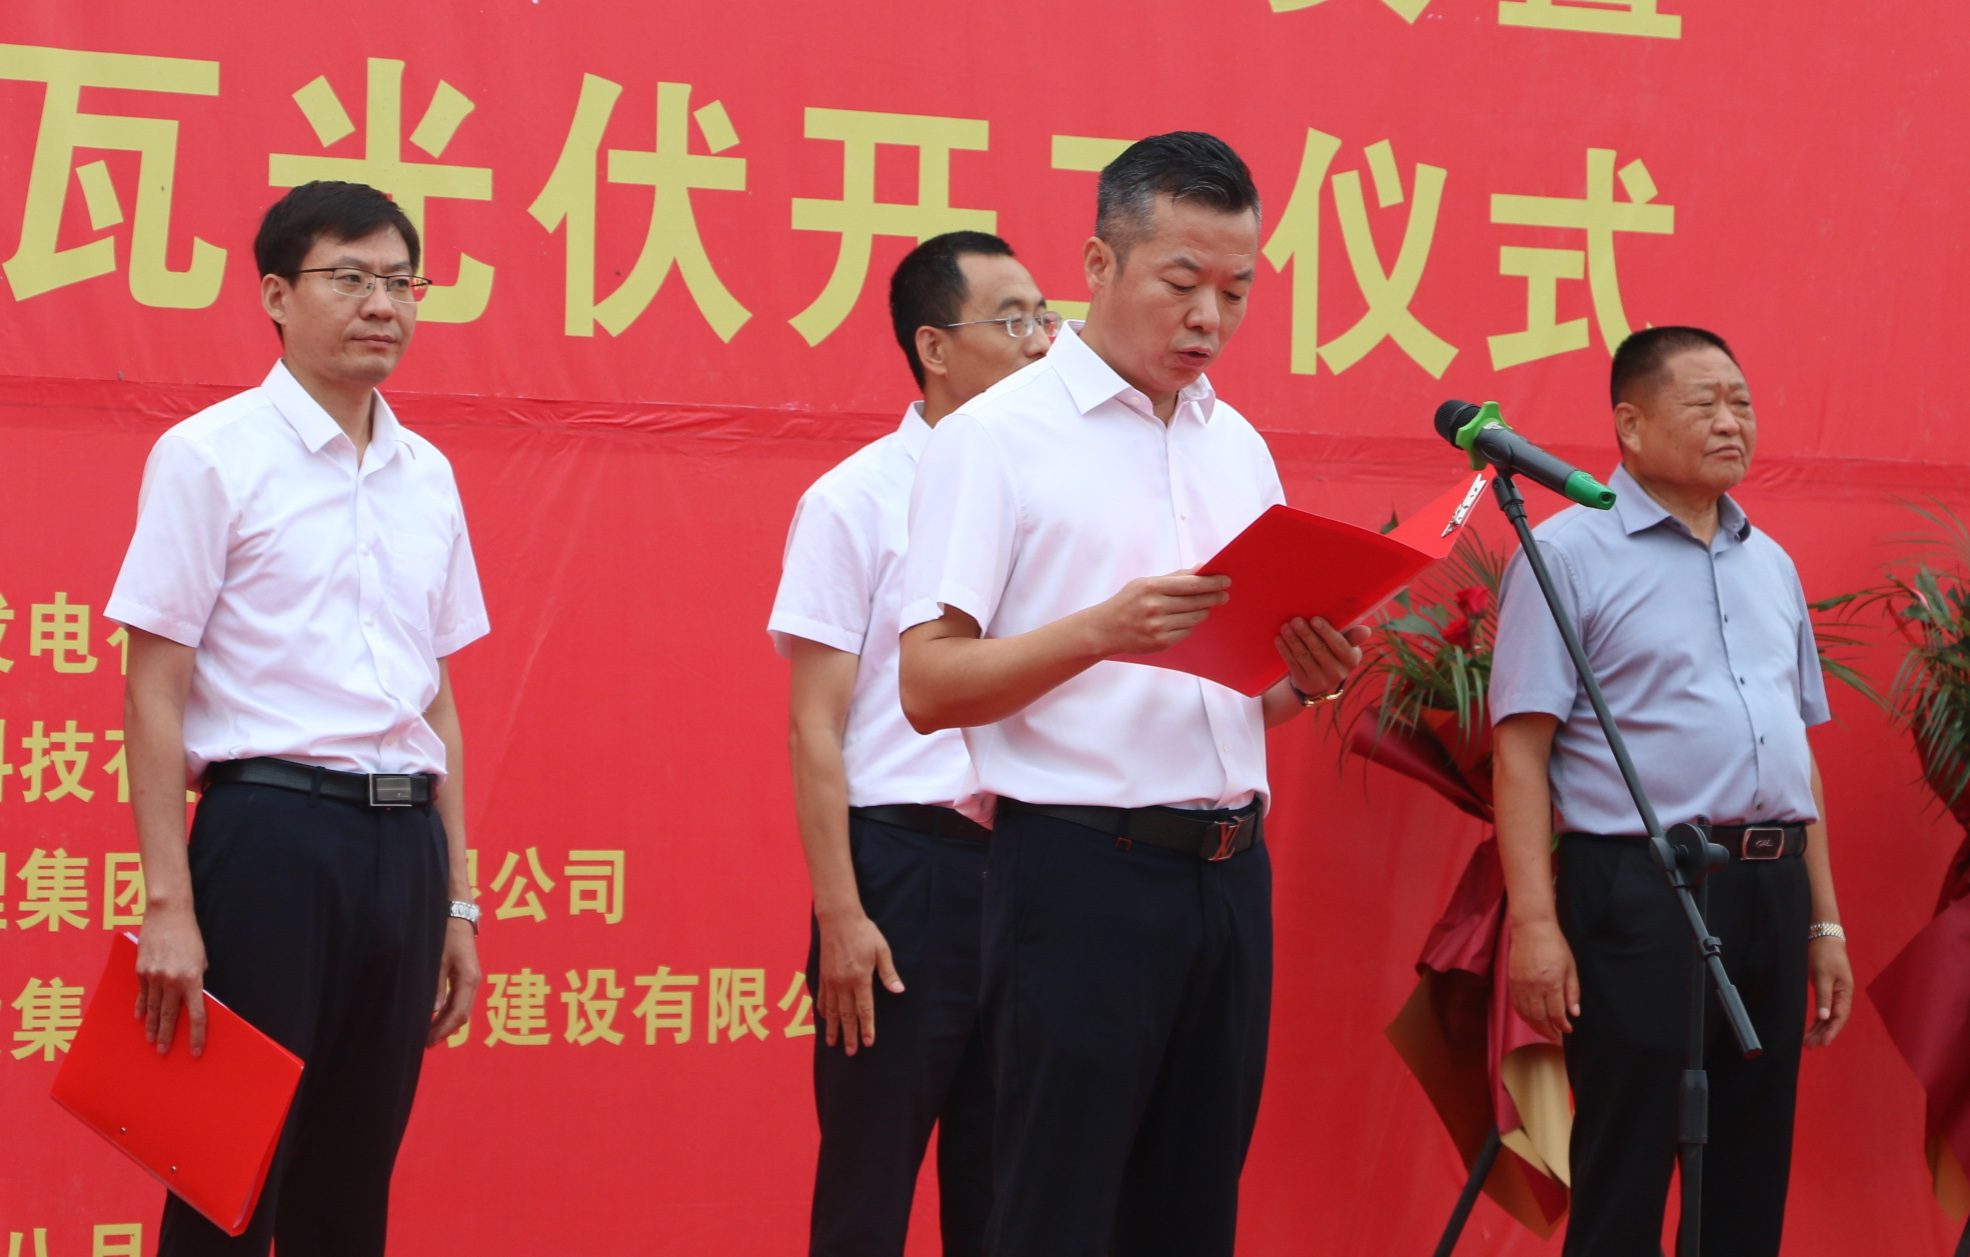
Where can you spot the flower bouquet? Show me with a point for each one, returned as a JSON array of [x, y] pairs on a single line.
[[1417, 707], [1924, 993]]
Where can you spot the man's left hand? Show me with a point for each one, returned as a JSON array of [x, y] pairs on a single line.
[[458, 982], [1318, 657], [1832, 980]]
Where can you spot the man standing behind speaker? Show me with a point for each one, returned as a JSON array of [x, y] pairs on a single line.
[[1696, 626], [898, 873], [1128, 926]]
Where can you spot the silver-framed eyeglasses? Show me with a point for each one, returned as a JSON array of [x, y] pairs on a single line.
[[352, 281], [1019, 326]]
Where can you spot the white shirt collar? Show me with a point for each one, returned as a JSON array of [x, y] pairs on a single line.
[[317, 428], [914, 431], [1090, 381]]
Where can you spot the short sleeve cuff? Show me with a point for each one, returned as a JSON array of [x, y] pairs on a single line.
[[460, 637], [138, 616], [924, 610], [1532, 705], [782, 628]]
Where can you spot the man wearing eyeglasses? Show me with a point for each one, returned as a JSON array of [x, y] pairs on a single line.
[[299, 575], [898, 871]]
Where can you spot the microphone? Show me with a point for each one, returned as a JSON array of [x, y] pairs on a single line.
[[1482, 431]]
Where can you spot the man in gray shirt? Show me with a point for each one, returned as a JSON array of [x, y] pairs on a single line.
[[1695, 623]]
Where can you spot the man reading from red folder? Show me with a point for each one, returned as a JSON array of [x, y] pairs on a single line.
[[299, 574], [1128, 928]]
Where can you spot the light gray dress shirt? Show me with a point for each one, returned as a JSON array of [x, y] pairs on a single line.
[[1705, 655]]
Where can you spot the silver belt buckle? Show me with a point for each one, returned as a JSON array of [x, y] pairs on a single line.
[[1764, 842], [390, 790]]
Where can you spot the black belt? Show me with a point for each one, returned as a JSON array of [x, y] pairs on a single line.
[[369, 789], [925, 818], [1215, 835], [1768, 841]]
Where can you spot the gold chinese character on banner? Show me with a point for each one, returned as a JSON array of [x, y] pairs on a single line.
[[38, 265], [1089, 153], [118, 765], [1600, 215], [14, 1239], [382, 166], [50, 1015], [61, 628], [1296, 240], [801, 1022], [595, 883], [859, 218], [55, 889], [738, 1004], [6, 614], [517, 1008], [1388, 293], [57, 751], [123, 889], [567, 203], [118, 1239], [6, 769], [592, 1006], [520, 900], [667, 1006], [1596, 17]]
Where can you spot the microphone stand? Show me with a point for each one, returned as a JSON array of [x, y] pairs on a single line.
[[1685, 856]]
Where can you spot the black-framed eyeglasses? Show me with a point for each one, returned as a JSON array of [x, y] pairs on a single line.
[[353, 281], [1019, 326]]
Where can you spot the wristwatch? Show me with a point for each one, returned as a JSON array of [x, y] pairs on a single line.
[[465, 912], [1315, 700]]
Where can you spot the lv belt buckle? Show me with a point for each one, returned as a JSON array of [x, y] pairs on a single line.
[[1227, 835], [1764, 843], [390, 790]]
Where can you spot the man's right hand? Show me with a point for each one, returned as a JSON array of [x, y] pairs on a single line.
[[171, 977], [853, 954], [1154, 613], [1545, 985]]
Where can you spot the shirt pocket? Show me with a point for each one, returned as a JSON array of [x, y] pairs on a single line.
[[419, 564]]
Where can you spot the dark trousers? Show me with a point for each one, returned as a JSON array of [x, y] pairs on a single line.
[[1127, 995], [1626, 1056], [927, 1066], [324, 924]]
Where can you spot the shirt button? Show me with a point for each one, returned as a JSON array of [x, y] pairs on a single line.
[[1761, 739], [1740, 680]]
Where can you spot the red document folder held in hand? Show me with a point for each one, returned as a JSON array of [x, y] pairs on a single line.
[[206, 1127], [1291, 563]]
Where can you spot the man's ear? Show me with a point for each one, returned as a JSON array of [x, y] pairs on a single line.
[[1100, 263], [1627, 427], [274, 295], [930, 351]]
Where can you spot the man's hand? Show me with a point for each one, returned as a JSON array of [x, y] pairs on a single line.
[[1833, 989], [1545, 985], [1317, 657], [852, 953], [1154, 613], [171, 977], [458, 982]]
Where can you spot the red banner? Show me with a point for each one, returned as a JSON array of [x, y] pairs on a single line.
[[662, 235]]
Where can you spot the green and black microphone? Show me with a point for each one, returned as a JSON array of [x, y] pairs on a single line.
[[1482, 431]]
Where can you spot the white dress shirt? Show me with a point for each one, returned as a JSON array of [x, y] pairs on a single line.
[[318, 596], [841, 585], [1045, 495]]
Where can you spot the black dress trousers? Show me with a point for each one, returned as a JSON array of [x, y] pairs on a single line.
[[1626, 1055], [324, 925], [1127, 995], [927, 1067]]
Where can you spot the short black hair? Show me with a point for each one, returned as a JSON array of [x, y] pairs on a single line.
[[1185, 165], [929, 289], [1644, 354], [325, 208]]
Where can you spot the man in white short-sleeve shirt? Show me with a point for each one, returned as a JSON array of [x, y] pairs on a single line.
[[1128, 934], [299, 573], [897, 871]]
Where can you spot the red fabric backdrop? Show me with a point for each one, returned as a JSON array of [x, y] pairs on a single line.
[[628, 489]]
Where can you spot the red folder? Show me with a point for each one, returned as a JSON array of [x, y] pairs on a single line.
[[1291, 563], [205, 1127]]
